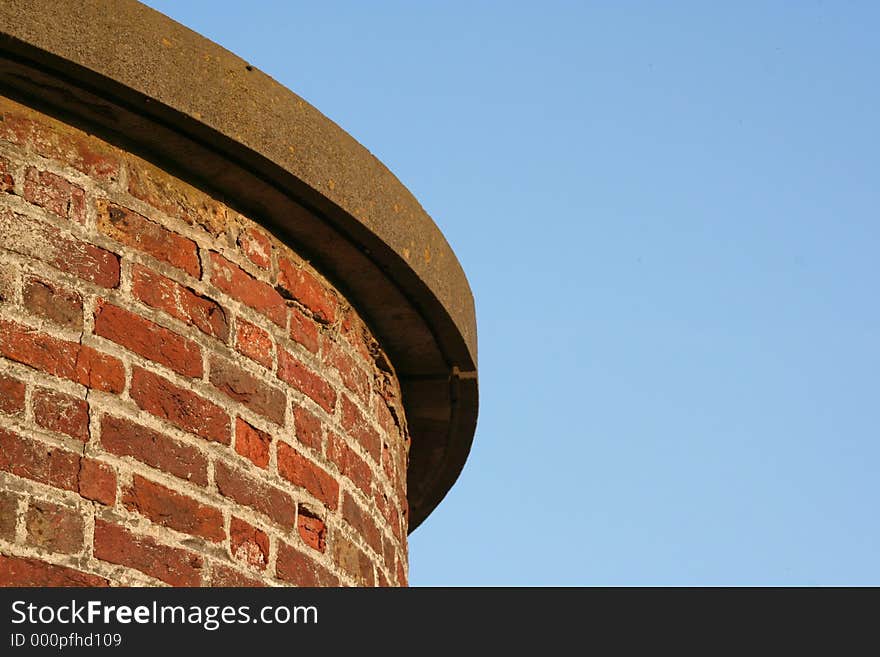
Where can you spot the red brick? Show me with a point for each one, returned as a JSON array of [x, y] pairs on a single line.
[[99, 371], [240, 285], [353, 377], [300, 569], [292, 371], [259, 496], [307, 290], [147, 339], [20, 571], [256, 246], [254, 342], [298, 470], [8, 515], [357, 427], [353, 560], [350, 464], [58, 249], [36, 460], [171, 509], [357, 335], [248, 544], [97, 482], [173, 566], [223, 576], [309, 429], [11, 395], [252, 443], [125, 438], [311, 529], [7, 182], [54, 302], [303, 330], [55, 194], [178, 301], [68, 360], [181, 407], [54, 528], [361, 522], [390, 513], [131, 229], [56, 141], [247, 389], [61, 413]]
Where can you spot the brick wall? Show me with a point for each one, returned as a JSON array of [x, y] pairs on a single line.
[[183, 399]]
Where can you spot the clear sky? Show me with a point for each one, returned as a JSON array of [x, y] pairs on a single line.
[[668, 213]]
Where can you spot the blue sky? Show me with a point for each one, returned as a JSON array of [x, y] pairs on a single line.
[[668, 213]]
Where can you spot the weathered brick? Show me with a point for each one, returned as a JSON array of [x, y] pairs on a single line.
[[350, 464], [247, 389], [302, 570], [172, 509], [299, 471], [125, 438], [62, 413], [256, 246], [35, 239], [68, 360], [21, 571], [357, 427], [175, 198], [354, 561], [8, 514], [11, 395], [248, 544], [252, 443], [253, 493], [8, 282], [303, 330], [389, 512], [97, 482], [181, 407], [57, 141], [55, 194], [224, 576], [309, 429], [54, 302], [99, 371], [115, 544], [180, 302], [311, 529], [353, 377], [138, 232], [307, 290], [361, 522], [147, 339], [34, 459], [54, 528], [243, 287], [7, 182], [292, 371], [254, 342], [401, 573]]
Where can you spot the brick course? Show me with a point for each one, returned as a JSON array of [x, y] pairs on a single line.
[[183, 398]]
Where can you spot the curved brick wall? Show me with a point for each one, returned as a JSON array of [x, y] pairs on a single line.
[[183, 399]]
